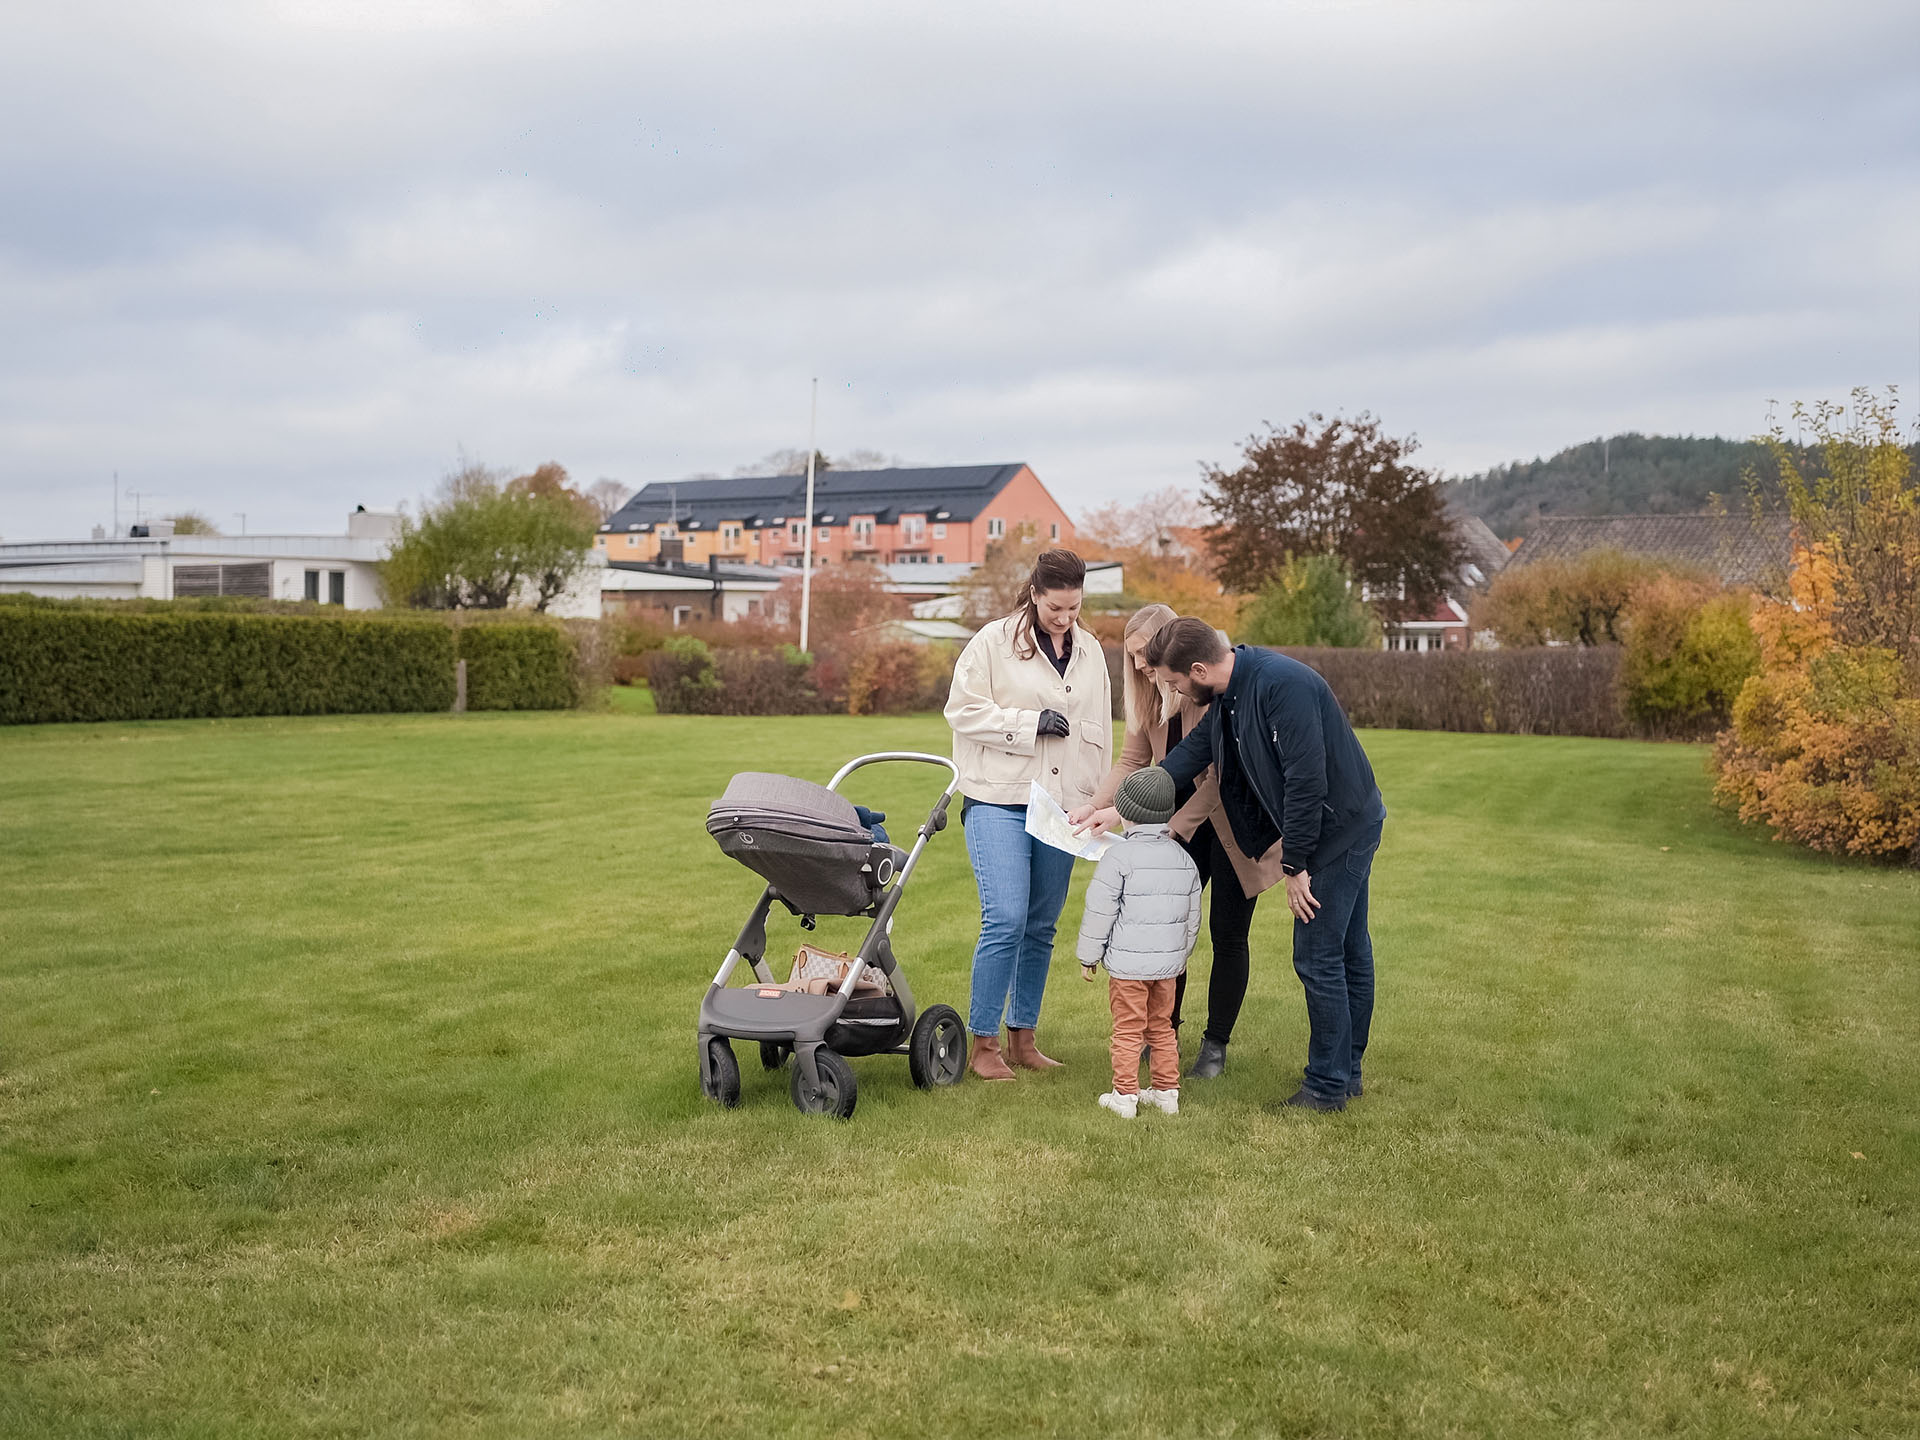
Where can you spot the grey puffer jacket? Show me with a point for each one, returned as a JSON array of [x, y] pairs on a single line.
[[1143, 907]]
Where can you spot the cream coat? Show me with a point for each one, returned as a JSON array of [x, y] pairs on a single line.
[[994, 708]]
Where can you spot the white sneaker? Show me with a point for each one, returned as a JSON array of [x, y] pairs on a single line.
[[1125, 1106], [1167, 1102]]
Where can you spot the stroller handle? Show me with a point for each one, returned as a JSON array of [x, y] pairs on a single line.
[[918, 755]]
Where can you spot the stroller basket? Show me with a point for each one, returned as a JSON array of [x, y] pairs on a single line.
[[804, 840]]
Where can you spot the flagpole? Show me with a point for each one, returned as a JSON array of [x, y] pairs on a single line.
[[806, 554]]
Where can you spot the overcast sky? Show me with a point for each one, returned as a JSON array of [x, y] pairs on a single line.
[[287, 258]]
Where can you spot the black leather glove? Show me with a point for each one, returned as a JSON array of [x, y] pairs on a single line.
[[1052, 722]]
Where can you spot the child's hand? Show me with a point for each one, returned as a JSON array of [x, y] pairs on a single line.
[[1087, 972]]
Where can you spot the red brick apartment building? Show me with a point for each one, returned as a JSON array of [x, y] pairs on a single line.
[[939, 516]]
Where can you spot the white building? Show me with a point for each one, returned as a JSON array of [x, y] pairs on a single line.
[[151, 562]]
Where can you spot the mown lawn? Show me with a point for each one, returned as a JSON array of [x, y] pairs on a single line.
[[347, 1087]]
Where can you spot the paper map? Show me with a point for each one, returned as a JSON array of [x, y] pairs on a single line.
[[1047, 823]]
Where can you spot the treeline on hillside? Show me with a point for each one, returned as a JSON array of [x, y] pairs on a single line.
[[1628, 474]]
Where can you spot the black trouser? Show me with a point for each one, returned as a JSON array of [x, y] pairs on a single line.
[[1229, 918]]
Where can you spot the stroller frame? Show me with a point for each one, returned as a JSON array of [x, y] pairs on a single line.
[[789, 1021]]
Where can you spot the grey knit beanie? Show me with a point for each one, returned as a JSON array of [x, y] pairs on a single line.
[[1145, 797]]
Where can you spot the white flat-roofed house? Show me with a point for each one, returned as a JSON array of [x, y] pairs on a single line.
[[151, 562]]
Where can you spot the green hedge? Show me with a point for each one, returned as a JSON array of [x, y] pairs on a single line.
[[95, 665], [61, 663], [518, 667]]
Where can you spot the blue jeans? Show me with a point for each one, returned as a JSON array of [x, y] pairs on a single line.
[[1023, 885], [1333, 956]]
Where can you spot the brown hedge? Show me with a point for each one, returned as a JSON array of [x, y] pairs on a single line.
[[1531, 690]]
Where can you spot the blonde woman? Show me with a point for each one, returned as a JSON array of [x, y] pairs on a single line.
[[1031, 700], [1157, 719]]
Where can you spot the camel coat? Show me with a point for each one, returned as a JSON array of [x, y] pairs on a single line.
[[1138, 750]]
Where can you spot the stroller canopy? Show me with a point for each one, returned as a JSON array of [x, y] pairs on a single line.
[[803, 839]]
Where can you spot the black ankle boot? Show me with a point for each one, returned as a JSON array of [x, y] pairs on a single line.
[[1211, 1062]]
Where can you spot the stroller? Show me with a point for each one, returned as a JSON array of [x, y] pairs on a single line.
[[809, 844]]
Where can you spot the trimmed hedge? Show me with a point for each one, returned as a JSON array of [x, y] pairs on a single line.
[[71, 663], [518, 667], [58, 665], [1531, 690]]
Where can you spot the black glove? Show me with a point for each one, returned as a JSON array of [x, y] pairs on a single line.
[[1052, 722]]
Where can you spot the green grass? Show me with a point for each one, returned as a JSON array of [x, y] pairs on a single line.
[[347, 1087]]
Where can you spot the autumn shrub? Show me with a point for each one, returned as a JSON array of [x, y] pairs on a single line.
[[1580, 600], [897, 677], [1311, 600], [681, 674], [1825, 743], [1690, 646], [765, 682]]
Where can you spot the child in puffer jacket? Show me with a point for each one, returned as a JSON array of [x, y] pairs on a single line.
[[1142, 917]]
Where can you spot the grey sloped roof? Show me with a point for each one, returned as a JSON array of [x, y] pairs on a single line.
[[1738, 548], [963, 491], [1484, 548]]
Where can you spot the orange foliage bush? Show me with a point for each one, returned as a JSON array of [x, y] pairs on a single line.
[[1825, 744]]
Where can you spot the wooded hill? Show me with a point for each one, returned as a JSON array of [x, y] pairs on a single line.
[[1628, 474]]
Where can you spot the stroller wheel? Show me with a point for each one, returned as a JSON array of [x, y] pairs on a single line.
[[937, 1053], [838, 1089], [723, 1084], [774, 1053]]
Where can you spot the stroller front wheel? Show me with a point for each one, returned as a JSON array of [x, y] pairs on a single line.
[[721, 1082], [937, 1053], [837, 1092]]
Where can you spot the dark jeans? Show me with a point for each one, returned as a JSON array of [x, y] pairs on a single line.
[[1333, 955], [1229, 917]]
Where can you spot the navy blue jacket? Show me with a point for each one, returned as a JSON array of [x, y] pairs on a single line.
[[1291, 769]]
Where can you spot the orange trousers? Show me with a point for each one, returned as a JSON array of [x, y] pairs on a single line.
[[1143, 1015]]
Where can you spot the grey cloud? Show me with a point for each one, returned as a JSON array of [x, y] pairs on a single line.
[[286, 260]]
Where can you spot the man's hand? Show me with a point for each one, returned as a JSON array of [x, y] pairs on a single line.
[[1088, 821], [1300, 896]]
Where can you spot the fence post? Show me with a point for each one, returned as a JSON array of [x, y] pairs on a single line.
[[459, 687]]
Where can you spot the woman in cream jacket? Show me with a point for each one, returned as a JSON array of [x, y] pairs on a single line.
[[1031, 700], [1156, 720]]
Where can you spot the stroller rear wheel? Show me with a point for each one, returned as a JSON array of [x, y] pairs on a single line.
[[837, 1092], [774, 1053], [722, 1082], [937, 1053]]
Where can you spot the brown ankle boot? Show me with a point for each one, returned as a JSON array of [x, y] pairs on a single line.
[[986, 1061], [1022, 1050]]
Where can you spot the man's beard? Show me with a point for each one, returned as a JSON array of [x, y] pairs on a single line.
[[1201, 694]]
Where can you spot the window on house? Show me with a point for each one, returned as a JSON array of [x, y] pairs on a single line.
[[681, 614], [313, 586], [730, 535], [336, 587], [913, 529], [796, 533], [939, 559], [1055, 528], [824, 535], [996, 529], [863, 531], [940, 532], [753, 606]]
